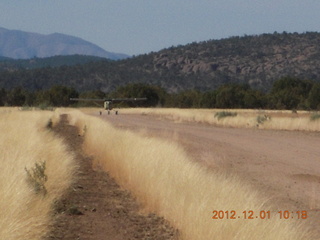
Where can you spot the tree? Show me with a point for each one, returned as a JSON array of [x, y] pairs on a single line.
[[3, 97], [254, 99], [208, 99], [30, 98], [60, 95], [188, 99], [42, 98], [231, 96], [289, 93], [314, 97], [16, 97], [239, 96]]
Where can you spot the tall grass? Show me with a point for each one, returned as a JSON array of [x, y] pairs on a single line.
[[166, 181], [25, 145]]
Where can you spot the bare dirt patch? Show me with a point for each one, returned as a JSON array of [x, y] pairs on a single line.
[[95, 207]]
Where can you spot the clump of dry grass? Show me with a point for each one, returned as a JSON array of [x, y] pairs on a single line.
[[28, 187], [166, 181], [315, 116], [224, 114]]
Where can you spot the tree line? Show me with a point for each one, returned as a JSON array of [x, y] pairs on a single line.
[[286, 93]]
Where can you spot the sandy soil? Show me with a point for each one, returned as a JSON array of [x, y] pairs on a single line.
[[95, 207], [284, 166]]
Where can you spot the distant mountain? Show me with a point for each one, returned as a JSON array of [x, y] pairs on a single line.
[[24, 45]]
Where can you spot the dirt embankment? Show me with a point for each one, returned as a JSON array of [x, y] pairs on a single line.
[[97, 208]]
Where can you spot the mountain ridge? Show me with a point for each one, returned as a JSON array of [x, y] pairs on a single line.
[[25, 45]]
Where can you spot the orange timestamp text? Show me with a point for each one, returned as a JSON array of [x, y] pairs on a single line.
[[250, 214]]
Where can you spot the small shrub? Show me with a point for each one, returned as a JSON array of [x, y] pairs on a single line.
[[36, 178], [262, 118], [74, 210], [26, 108], [315, 116], [84, 129], [224, 114], [45, 106]]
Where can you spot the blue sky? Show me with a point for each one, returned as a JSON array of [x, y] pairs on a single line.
[[141, 26]]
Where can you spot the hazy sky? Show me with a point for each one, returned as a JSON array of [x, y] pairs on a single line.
[[142, 26]]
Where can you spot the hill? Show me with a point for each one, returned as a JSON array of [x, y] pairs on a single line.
[[24, 45], [256, 60]]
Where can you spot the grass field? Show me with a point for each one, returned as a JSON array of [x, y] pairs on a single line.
[[162, 177], [35, 170]]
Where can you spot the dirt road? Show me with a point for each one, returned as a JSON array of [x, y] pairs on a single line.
[[284, 166], [96, 208]]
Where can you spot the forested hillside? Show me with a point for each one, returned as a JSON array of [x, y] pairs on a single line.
[[254, 60]]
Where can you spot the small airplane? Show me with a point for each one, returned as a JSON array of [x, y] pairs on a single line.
[[107, 103]]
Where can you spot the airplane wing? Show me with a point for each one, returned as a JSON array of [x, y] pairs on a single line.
[[127, 99], [88, 99], [110, 100]]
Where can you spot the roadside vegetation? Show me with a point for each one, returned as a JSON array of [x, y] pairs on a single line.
[[242, 118], [315, 116], [165, 180], [35, 171], [224, 114]]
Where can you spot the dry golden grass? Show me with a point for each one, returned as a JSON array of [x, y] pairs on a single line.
[[25, 141], [166, 181], [278, 120]]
